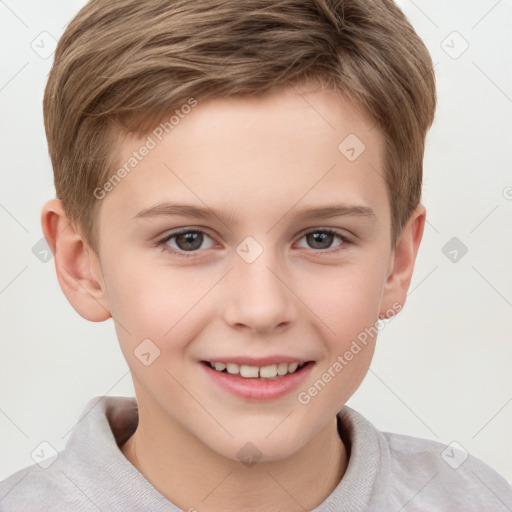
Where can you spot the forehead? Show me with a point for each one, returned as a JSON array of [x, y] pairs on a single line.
[[252, 156]]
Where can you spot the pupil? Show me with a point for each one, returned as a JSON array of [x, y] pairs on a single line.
[[318, 238], [192, 240]]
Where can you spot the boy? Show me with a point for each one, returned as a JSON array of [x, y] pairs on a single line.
[[170, 124]]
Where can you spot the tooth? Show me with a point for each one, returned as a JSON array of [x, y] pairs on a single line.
[[249, 371], [268, 371], [233, 368], [292, 367], [282, 368]]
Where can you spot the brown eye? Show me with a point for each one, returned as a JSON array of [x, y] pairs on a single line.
[[320, 240], [189, 241], [323, 239], [186, 241]]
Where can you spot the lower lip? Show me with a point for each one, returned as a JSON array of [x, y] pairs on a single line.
[[258, 390]]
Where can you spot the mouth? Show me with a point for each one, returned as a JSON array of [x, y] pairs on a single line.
[[269, 372], [253, 383]]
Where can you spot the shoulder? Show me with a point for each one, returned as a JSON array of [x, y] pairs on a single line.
[[435, 476], [83, 474], [33, 484], [417, 474]]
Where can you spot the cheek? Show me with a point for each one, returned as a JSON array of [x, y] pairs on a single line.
[[148, 296], [347, 302], [347, 298], [159, 303], [348, 308]]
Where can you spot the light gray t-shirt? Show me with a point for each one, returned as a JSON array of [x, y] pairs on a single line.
[[386, 472]]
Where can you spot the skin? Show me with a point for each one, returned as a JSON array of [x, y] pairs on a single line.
[[260, 159]]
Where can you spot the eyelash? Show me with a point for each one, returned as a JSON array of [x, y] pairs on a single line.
[[190, 254]]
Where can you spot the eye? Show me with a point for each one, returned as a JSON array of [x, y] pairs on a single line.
[[181, 242], [190, 241], [322, 239]]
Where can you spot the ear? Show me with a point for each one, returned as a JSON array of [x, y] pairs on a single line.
[[402, 264], [78, 269]]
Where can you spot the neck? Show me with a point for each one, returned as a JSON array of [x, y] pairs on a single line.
[[299, 482]]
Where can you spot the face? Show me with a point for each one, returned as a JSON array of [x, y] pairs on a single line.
[[258, 277]]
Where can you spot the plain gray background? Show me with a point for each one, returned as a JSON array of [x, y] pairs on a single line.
[[442, 367]]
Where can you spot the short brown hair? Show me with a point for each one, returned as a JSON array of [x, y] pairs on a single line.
[[124, 65]]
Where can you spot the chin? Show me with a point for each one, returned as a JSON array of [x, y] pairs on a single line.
[[258, 451]]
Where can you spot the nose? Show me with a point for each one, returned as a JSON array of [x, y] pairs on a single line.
[[259, 298]]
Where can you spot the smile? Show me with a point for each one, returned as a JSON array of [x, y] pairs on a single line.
[[257, 383], [254, 372]]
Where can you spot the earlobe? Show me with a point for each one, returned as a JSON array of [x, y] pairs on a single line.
[[78, 270], [404, 258]]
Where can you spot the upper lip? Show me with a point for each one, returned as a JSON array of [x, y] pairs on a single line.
[[258, 361]]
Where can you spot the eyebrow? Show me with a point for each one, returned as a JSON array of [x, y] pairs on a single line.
[[188, 210]]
